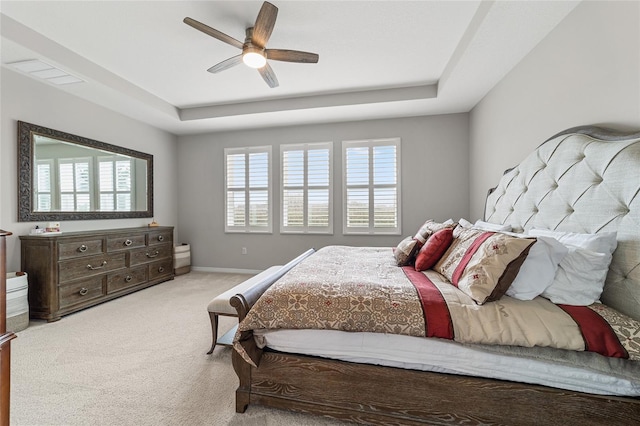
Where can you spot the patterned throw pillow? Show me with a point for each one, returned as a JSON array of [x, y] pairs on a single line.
[[484, 264], [406, 251], [430, 227], [433, 249]]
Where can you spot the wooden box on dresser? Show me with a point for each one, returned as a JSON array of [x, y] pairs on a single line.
[[74, 270]]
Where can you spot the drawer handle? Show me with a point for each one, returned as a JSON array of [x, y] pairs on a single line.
[[128, 278], [160, 237], [93, 268], [155, 254], [83, 291], [128, 243], [82, 248], [161, 269]]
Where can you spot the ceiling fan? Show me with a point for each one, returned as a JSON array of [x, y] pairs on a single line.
[[254, 49]]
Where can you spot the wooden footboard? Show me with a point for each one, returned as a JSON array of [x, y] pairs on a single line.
[[242, 303], [371, 394]]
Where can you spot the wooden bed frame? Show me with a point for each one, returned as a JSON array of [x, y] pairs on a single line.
[[372, 394]]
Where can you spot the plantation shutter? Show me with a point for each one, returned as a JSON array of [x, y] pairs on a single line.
[[372, 187], [306, 188], [247, 189]]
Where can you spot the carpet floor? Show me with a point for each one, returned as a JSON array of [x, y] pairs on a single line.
[[137, 360]]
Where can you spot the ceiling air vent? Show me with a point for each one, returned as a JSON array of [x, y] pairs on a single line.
[[37, 68]]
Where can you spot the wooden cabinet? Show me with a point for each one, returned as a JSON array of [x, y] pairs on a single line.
[[74, 270], [5, 338]]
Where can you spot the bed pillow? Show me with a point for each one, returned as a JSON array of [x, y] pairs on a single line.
[[581, 274], [538, 270], [430, 227], [482, 225], [433, 249], [465, 223], [580, 278], [488, 226], [603, 242], [484, 264], [406, 250]]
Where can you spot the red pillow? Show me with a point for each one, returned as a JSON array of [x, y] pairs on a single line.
[[433, 249]]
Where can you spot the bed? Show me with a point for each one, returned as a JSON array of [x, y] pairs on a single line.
[[584, 180]]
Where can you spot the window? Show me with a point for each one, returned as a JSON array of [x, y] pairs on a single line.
[[43, 185], [74, 180], [306, 197], [247, 189], [371, 190], [115, 184]]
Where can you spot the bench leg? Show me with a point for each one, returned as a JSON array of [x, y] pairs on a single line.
[[214, 331]]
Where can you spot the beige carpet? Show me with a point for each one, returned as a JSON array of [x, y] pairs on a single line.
[[137, 360]]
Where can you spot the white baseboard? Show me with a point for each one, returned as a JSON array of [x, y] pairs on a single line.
[[226, 270]]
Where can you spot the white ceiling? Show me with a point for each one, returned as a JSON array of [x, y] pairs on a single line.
[[378, 59]]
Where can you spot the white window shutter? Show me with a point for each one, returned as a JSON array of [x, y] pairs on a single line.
[[248, 189], [371, 187], [306, 197]]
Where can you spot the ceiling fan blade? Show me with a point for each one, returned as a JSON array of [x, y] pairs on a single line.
[[264, 24], [269, 76], [226, 64], [212, 32], [291, 56]]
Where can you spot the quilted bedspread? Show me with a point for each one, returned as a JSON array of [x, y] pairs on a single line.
[[360, 289]]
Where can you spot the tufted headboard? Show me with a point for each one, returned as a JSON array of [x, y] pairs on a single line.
[[585, 179]]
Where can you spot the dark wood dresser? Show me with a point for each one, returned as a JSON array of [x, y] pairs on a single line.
[[74, 270]]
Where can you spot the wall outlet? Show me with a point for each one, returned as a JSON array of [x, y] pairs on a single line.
[[243, 250]]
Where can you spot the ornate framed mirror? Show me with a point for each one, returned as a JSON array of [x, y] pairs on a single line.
[[62, 176]]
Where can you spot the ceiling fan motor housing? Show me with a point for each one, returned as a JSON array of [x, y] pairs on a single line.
[[252, 54]]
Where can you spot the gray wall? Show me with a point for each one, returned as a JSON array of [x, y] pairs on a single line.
[[587, 71], [435, 184], [26, 99]]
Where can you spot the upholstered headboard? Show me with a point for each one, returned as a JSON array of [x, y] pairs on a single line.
[[585, 179]]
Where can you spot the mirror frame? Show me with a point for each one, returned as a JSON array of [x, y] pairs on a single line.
[[26, 211]]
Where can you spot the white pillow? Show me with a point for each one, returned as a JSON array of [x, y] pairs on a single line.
[[493, 227], [580, 277], [603, 242], [538, 270], [485, 226], [465, 223]]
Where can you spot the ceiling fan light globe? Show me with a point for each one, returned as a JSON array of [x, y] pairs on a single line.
[[254, 59]]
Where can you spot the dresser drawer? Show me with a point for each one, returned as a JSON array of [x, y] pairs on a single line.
[[160, 268], [81, 292], [124, 242], [161, 237], [89, 266], [80, 248], [150, 254], [125, 279]]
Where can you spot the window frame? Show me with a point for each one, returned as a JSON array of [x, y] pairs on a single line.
[[306, 229], [371, 186], [247, 228]]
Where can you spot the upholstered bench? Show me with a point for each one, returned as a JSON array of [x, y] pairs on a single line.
[[220, 306]]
